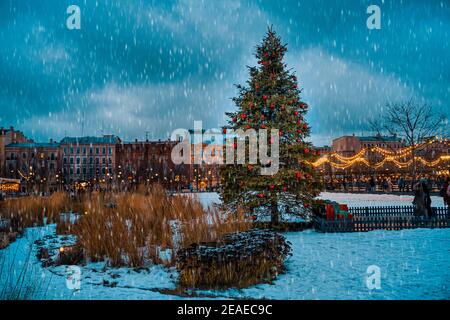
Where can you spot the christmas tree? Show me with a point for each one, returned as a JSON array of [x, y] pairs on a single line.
[[271, 100]]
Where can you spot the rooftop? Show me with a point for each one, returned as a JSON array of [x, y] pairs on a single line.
[[379, 138], [33, 145], [107, 139]]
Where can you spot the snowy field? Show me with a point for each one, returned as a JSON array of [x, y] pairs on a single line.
[[414, 264], [351, 199]]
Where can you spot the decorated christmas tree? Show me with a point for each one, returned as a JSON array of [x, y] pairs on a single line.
[[271, 100]]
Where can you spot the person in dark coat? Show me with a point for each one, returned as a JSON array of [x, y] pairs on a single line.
[[420, 201]]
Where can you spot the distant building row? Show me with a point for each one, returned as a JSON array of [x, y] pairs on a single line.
[[98, 160]]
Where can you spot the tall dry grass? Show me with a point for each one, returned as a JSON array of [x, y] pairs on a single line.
[[130, 228], [32, 210]]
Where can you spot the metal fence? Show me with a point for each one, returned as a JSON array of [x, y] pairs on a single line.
[[388, 218]]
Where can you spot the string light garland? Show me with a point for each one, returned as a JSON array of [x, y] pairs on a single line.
[[389, 156]]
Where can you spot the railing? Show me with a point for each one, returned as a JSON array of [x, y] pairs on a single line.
[[388, 218]]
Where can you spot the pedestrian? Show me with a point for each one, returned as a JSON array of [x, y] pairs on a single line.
[[372, 184], [445, 192], [422, 200], [389, 185], [401, 184]]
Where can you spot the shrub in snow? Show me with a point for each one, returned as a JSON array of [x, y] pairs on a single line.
[[235, 260]]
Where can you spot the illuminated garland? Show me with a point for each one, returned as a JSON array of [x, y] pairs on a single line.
[[9, 187], [389, 156], [378, 165]]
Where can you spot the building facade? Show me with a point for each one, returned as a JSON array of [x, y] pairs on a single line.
[[8, 136], [37, 165], [91, 159], [150, 162]]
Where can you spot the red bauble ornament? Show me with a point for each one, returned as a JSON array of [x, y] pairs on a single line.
[[263, 126], [243, 116], [250, 167], [294, 85], [249, 126], [306, 204], [234, 119], [262, 117], [318, 153], [224, 130], [306, 151], [272, 106], [284, 188], [299, 122], [272, 187], [261, 195], [299, 131], [305, 126], [264, 97], [298, 175], [251, 105], [281, 132]]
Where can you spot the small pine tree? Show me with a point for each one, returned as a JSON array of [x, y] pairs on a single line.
[[271, 100]]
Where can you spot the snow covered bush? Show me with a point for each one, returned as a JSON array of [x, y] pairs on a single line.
[[236, 260]]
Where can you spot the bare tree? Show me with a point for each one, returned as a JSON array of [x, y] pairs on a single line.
[[414, 123]]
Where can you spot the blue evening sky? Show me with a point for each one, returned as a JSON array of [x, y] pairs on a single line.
[[140, 68]]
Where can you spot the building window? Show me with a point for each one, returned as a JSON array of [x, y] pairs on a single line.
[[71, 160], [104, 160], [84, 150], [104, 150], [65, 150], [84, 160], [97, 150], [78, 160], [78, 170], [110, 151], [71, 150], [78, 150], [71, 170], [65, 160], [91, 160]]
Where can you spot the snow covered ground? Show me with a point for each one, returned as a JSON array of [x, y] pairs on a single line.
[[352, 199], [374, 200], [414, 264]]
